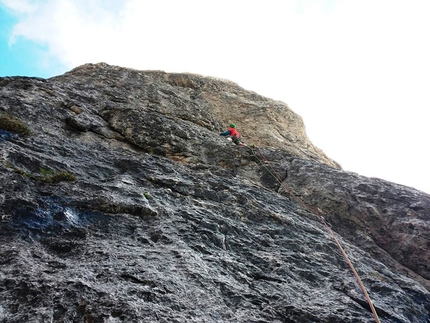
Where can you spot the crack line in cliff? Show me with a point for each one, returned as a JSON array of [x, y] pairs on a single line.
[[318, 213]]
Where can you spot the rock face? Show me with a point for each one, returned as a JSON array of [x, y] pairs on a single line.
[[120, 202]]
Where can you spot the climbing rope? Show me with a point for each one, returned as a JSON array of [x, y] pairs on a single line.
[[318, 213]]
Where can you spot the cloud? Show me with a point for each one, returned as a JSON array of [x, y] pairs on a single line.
[[70, 30], [210, 36], [19, 6]]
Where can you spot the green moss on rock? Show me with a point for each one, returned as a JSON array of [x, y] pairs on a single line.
[[12, 124]]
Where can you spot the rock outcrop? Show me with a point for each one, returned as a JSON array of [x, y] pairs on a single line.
[[120, 202]]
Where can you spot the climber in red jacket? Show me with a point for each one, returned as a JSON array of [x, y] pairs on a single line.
[[233, 134]]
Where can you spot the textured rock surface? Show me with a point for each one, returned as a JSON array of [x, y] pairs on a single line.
[[123, 204], [389, 221]]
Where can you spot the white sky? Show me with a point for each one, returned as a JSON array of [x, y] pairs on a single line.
[[357, 71]]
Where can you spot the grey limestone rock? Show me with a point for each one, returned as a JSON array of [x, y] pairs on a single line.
[[121, 203]]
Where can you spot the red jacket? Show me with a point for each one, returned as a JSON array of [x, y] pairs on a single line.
[[234, 132]]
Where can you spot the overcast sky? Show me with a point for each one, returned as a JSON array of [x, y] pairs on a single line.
[[357, 71]]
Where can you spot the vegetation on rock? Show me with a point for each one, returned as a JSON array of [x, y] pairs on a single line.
[[10, 123], [47, 176]]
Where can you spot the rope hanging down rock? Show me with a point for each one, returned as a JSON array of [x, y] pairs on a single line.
[[318, 213]]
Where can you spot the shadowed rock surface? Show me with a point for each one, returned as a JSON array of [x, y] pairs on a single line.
[[120, 202]]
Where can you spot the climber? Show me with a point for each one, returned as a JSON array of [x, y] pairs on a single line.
[[233, 135]]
